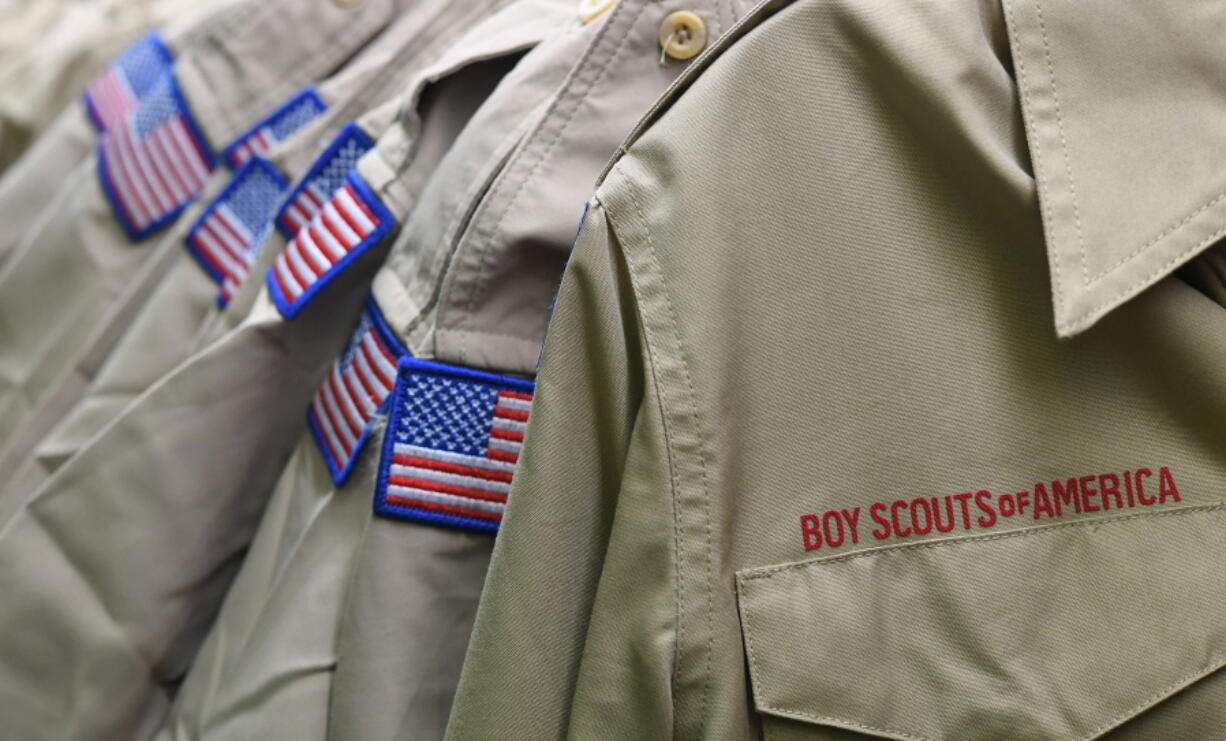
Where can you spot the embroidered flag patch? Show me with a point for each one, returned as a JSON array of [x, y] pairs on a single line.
[[120, 88], [226, 235], [355, 388], [452, 444], [325, 176], [293, 114], [154, 163], [348, 224]]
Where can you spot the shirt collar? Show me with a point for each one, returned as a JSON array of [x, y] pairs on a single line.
[[1125, 113]]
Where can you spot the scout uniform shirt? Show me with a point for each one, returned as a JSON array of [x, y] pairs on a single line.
[[39, 81], [28, 186], [165, 529], [402, 646], [478, 305], [834, 464], [198, 265], [303, 552], [54, 290]]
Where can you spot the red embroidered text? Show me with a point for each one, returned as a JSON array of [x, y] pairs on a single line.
[[900, 518]]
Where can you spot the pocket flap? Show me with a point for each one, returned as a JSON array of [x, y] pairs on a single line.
[[1057, 632]]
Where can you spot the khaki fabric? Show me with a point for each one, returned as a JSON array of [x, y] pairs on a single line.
[[65, 52], [187, 469], [409, 592], [172, 298], [29, 185], [252, 674], [56, 288], [22, 21], [412, 594], [23, 26], [807, 457]]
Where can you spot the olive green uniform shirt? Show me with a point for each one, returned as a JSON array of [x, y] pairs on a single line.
[[814, 453]]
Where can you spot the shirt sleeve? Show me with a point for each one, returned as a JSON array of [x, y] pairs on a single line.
[[573, 634]]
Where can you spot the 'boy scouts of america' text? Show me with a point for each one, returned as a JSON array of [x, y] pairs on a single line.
[[983, 509]]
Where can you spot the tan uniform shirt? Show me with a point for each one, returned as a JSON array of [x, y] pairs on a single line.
[[815, 455], [409, 589], [137, 617], [64, 54], [56, 288], [306, 544], [176, 291], [29, 185], [479, 303]]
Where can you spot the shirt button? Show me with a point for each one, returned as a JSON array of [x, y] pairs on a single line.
[[590, 10], [346, 3], [682, 35]]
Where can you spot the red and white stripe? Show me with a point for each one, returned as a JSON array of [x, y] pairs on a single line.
[[299, 212], [258, 143], [111, 97], [339, 226], [459, 484], [224, 240], [507, 429], [156, 174], [349, 397], [229, 287]]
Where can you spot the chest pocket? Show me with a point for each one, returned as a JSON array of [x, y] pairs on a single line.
[[1060, 632]]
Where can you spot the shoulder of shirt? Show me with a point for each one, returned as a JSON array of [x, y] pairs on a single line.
[[752, 20]]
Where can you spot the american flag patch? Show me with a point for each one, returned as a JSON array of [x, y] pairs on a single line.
[[228, 232], [347, 225], [355, 388], [324, 177], [278, 126], [120, 88], [153, 163], [452, 443]]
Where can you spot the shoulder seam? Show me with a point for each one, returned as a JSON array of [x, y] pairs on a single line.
[[751, 20]]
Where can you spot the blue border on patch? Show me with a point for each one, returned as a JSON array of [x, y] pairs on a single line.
[[104, 174], [235, 181], [306, 93], [290, 309], [407, 365], [341, 473], [348, 132], [154, 39]]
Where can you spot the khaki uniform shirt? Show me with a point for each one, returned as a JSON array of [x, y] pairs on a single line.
[[305, 546], [37, 82], [137, 617], [402, 595], [28, 186], [814, 453], [173, 297], [55, 290], [480, 303]]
